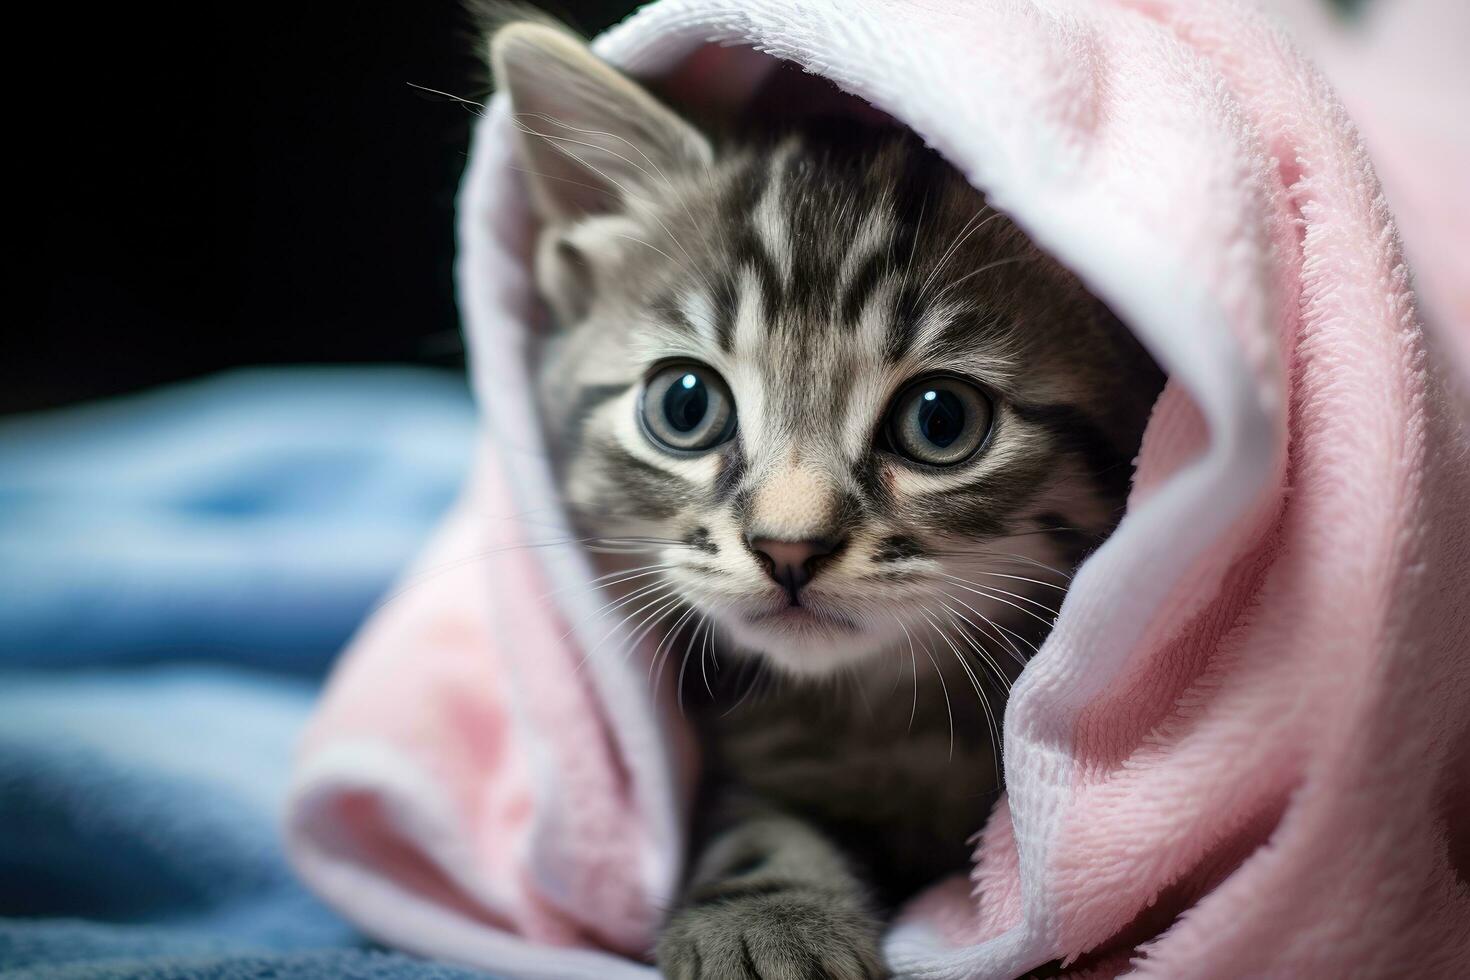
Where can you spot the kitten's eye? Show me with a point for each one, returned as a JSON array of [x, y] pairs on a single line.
[[939, 421], [687, 408]]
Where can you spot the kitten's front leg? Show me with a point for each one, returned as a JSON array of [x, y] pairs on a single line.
[[772, 899]]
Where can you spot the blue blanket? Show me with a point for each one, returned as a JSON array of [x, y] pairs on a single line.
[[177, 570]]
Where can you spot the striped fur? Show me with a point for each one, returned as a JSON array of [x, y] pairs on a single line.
[[817, 273], [818, 270]]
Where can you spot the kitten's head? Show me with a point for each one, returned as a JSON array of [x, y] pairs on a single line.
[[846, 402]]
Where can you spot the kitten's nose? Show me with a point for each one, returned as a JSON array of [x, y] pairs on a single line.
[[791, 564]]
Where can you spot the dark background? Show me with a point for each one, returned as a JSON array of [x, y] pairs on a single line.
[[227, 184]]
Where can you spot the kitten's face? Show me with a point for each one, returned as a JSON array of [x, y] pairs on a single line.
[[850, 406]]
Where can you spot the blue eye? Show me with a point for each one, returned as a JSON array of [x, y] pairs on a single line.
[[939, 421], [687, 408]]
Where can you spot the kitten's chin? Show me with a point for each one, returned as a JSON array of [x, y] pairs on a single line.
[[803, 642]]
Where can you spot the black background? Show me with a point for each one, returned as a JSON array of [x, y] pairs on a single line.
[[226, 184]]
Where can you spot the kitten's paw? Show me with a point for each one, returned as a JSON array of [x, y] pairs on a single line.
[[783, 935]]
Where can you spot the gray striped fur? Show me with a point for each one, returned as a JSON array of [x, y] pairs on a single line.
[[818, 269]]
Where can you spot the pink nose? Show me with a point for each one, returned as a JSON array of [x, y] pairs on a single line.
[[791, 564]]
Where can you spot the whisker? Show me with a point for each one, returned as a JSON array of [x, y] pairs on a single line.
[[914, 244], [619, 577], [661, 596], [1049, 530], [418, 577], [984, 655], [663, 612], [703, 658], [987, 268], [556, 141], [979, 691], [862, 692], [622, 622], [595, 132], [617, 603], [668, 641], [623, 549], [999, 592], [623, 574], [1019, 657], [757, 666], [943, 686], [965, 233], [1028, 560], [684, 664], [1008, 555], [1022, 578], [914, 664], [992, 722], [1005, 629], [640, 241], [474, 108], [565, 180], [1048, 623]]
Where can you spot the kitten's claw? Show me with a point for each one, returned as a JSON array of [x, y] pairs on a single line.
[[787, 935]]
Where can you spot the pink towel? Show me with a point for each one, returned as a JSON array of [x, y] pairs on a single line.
[[1245, 748]]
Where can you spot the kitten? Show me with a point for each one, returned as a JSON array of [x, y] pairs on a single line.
[[865, 428]]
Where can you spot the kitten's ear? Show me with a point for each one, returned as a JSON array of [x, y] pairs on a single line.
[[589, 135]]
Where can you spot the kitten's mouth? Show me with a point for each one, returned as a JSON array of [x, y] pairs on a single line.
[[812, 639], [802, 618]]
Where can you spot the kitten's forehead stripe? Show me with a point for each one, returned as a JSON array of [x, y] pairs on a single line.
[[864, 282], [932, 326], [697, 315], [769, 218], [726, 297], [967, 328], [903, 321], [748, 331], [749, 252], [751, 256], [676, 316]]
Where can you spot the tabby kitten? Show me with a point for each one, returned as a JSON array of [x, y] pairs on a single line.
[[866, 430]]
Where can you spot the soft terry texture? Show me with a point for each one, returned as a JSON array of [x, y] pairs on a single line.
[[1244, 749]]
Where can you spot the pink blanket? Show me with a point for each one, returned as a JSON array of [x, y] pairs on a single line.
[[1245, 748]]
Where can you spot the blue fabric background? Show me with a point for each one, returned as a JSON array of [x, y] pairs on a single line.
[[177, 571]]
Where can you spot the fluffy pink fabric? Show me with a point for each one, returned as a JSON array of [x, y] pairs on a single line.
[[1245, 748], [1403, 76]]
